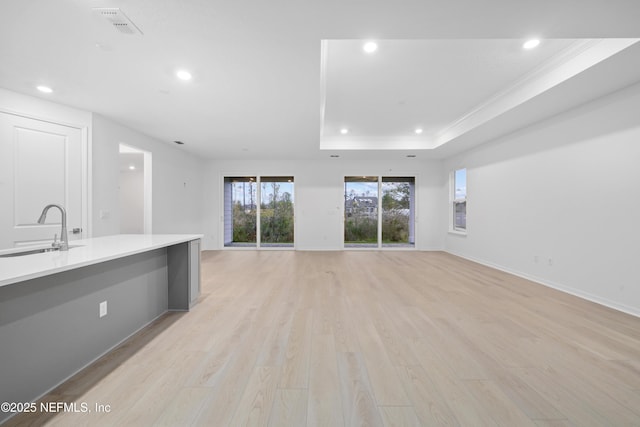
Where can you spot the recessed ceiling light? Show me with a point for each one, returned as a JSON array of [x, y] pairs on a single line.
[[344, 131], [418, 131], [44, 89], [530, 44], [183, 75], [132, 167], [370, 47]]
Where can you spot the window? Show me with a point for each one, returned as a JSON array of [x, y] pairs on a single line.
[[258, 211], [371, 221], [459, 200]]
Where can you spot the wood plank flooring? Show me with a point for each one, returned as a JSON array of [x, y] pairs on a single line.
[[284, 338]]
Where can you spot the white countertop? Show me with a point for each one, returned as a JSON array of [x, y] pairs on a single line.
[[87, 252]]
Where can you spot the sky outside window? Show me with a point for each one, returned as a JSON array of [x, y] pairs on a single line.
[[460, 183]]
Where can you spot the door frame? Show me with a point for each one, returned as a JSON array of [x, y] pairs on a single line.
[[221, 225]]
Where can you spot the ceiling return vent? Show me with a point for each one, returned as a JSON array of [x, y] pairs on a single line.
[[118, 19]]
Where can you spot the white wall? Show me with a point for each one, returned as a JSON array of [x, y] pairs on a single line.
[[319, 197], [177, 189], [566, 191]]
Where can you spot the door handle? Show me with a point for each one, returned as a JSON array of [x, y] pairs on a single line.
[[76, 230]]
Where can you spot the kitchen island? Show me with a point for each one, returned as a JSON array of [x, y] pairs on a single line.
[[61, 310]]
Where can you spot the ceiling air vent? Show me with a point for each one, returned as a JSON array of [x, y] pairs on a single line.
[[118, 19]]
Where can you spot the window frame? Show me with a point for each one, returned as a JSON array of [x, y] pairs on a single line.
[[226, 218], [454, 201], [379, 212]]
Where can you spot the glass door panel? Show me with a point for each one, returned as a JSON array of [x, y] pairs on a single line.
[[361, 211], [240, 211], [398, 211], [276, 211]]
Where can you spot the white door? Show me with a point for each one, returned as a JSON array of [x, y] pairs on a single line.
[[40, 163]]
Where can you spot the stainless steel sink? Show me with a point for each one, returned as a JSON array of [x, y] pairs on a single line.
[[34, 251]]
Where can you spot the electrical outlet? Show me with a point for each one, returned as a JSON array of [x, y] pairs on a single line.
[[103, 308]]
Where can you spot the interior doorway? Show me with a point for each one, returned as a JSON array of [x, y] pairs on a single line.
[[135, 190]]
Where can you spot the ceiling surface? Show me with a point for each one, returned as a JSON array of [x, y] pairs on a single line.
[[279, 79]]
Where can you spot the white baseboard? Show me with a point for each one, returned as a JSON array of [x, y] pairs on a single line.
[[633, 311]]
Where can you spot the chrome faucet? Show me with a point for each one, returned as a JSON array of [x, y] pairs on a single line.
[[64, 239]]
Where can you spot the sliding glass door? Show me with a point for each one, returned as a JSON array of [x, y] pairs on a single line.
[[258, 211], [371, 221]]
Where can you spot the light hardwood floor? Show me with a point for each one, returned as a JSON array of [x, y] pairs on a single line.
[[283, 338]]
